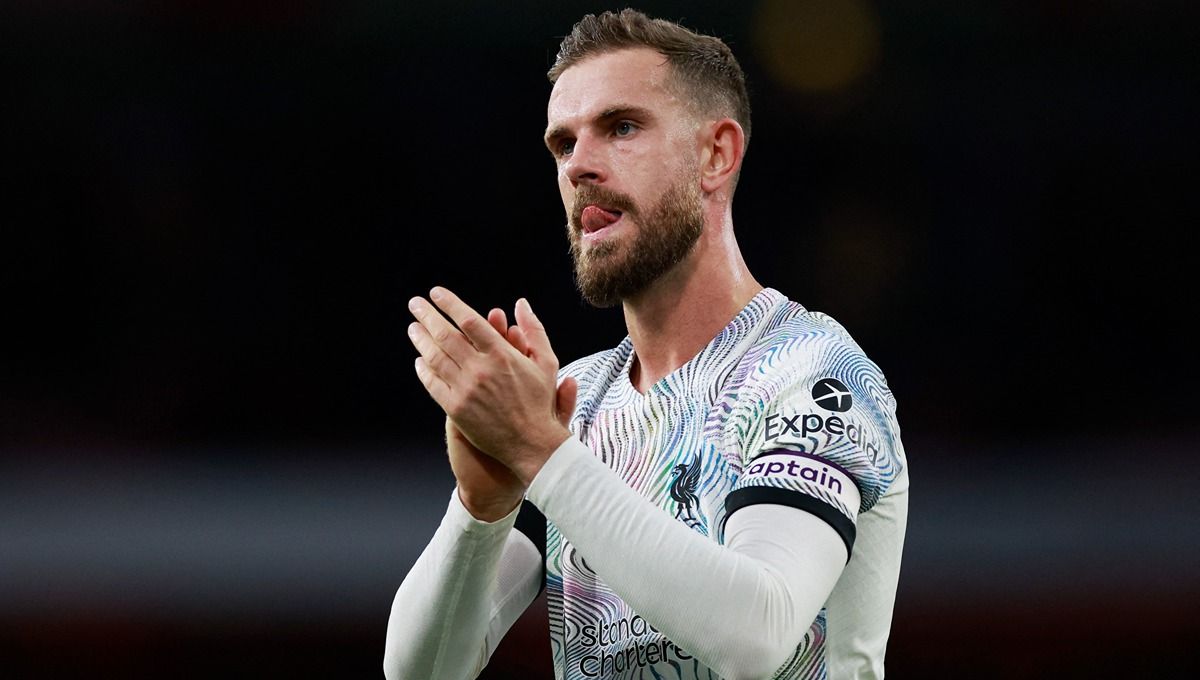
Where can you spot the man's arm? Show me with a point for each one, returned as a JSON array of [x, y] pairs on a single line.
[[740, 608], [478, 573], [468, 587]]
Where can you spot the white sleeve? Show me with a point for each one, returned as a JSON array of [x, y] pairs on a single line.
[[761, 590], [468, 587]]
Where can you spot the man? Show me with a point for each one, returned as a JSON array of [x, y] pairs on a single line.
[[725, 491]]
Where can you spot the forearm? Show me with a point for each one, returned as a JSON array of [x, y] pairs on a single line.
[[762, 590], [467, 588]]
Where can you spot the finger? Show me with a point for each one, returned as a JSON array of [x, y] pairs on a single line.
[[475, 327], [499, 321], [447, 337], [442, 364], [435, 386], [516, 338], [564, 399], [535, 335]]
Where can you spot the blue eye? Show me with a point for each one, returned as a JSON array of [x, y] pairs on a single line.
[[566, 147], [624, 128]]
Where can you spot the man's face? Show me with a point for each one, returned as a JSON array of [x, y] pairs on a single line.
[[626, 150]]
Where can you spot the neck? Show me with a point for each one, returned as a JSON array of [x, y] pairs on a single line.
[[681, 312]]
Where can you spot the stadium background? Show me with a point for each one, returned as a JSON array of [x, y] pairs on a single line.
[[215, 460]]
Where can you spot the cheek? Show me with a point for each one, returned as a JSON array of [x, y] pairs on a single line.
[[564, 187]]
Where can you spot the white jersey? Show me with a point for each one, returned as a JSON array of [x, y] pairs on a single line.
[[782, 407]]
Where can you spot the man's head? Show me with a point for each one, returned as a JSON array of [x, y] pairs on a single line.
[[648, 123], [703, 69]]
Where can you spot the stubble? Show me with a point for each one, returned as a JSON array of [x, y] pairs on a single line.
[[614, 269]]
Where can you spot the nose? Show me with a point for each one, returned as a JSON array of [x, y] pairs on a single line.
[[585, 165]]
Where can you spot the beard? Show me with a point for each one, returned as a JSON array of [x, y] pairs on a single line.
[[613, 270]]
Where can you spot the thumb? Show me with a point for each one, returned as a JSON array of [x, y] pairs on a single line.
[[564, 400]]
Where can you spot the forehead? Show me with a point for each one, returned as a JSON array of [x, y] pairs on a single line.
[[629, 77]]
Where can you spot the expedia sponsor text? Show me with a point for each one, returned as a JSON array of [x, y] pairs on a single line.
[[807, 424]]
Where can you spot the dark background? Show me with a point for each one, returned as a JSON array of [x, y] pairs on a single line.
[[215, 460]]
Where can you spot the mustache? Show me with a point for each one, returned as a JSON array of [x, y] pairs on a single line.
[[592, 195]]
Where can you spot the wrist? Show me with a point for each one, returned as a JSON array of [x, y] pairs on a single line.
[[489, 507], [538, 452]]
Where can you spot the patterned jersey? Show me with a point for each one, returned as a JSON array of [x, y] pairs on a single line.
[[781, 407]]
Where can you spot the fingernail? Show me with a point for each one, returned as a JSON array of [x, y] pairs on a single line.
[[413, 304], [412, 330], [436, 292], [525, 302]]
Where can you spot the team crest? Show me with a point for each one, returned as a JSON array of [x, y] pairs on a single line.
[[683, 491]]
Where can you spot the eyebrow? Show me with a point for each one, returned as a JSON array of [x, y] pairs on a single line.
[[618, 111]]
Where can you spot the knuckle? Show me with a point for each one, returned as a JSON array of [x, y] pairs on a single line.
[[479, 375], [421, 344]]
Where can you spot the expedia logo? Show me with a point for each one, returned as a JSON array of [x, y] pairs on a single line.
[[800, 426], [832, 395]]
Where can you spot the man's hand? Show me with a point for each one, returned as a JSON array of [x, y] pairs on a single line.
[[498, 390], [487, 489]]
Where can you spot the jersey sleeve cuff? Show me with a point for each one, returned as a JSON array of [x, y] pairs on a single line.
[[568, 456], [462, 520]]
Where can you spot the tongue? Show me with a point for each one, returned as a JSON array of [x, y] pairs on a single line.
[[594, 218]]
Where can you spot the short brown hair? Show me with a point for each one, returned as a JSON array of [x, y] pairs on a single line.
[[703, 65]]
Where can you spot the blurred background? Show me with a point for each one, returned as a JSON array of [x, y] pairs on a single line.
[[215, 460]]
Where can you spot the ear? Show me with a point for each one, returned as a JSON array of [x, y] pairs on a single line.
[[723, 145]]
